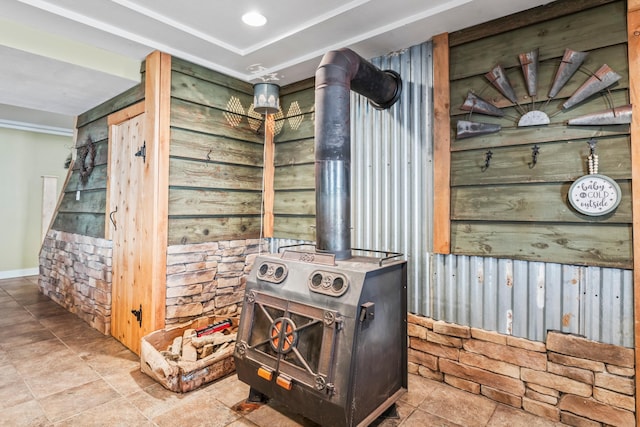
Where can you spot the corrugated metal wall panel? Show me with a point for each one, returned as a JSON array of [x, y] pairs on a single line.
[[526, 299], [392, 195], [391, 163]]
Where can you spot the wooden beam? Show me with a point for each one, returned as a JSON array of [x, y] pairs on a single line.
[[158, 110], [633, 28], [441, 146], [268, 174]]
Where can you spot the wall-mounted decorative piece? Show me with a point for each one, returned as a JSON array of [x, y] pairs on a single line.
[[87, 158], [594, 194], [532, 114]]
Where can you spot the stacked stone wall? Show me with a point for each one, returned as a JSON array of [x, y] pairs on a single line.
[[208, 278], [569, 379], [75, 272]]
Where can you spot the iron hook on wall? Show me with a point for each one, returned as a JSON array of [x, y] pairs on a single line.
[[535, 150], [487, 160]]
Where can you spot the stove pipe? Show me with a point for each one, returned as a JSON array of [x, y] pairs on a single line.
[[339, 72]]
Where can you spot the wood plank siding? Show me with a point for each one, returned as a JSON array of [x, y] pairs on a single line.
[[82, 207], [513, 209], [215, 166], [294, 181]]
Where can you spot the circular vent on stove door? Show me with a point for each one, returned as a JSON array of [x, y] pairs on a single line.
[[328, 283], [272, 272]]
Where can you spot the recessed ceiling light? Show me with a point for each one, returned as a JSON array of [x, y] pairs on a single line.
[[254, 19]]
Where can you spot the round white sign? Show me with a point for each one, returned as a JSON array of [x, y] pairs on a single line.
[[594, 195]]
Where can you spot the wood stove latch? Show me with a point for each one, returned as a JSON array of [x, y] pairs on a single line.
[[367, 312]]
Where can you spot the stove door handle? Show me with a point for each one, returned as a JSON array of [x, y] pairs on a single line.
[[367, 312]]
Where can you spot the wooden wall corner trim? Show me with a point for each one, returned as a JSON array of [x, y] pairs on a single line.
[[268, 174], [441, 146], [158, 131], [633, 37]]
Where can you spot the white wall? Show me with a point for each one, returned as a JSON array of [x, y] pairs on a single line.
[[24, 158]]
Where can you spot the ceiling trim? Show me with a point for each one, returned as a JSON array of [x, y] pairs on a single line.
[[32, 127], [112, 29], [177, 25], [361, 37]]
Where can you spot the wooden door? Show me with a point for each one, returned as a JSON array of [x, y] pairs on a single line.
[[128, 224]]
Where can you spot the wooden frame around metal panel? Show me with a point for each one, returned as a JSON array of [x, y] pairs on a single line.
[[441, 146], [633, 29]]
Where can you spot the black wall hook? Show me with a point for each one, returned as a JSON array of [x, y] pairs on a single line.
[[535, 150], [487, 160]]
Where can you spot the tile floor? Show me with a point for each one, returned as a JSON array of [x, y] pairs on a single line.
[[57, 371]]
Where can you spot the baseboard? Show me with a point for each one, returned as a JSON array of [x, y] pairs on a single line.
[[10, 274]]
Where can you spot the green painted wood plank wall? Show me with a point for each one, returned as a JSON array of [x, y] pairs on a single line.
[[516, 211], [82, 209], [216, 152], [294, 180]]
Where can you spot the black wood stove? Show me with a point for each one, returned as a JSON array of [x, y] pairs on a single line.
[[324, 332]]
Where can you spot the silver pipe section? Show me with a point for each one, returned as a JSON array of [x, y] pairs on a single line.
[[339, 72]]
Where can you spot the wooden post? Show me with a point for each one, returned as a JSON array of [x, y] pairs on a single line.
[[268, 175], [633, 28], [158, 110], [441, 146]]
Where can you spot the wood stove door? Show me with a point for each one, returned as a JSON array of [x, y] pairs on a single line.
[[291, 339]]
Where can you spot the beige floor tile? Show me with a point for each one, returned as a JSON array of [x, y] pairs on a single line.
[[242, 423], [424, 419], [470, 409], [69, 325], [26, 333], [156, 400], [53, 363], [4, 358], [116, 413], [229, 391], [199, 411], [274, 415], [72, 401], [506, 416], [13, 390], [44, 309], [23, 354], [27, 414], [419, 389], [127, 383], [113, 363], [58, 375], [404, 410]]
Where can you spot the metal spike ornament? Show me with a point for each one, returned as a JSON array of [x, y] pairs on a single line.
[[602, 79], [571, 61]]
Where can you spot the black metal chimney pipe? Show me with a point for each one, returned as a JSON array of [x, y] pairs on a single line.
[[339, 72]]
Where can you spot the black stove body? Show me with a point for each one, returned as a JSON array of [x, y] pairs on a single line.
[[327, 339]]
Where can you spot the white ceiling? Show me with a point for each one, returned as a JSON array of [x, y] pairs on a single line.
[[59, 58]]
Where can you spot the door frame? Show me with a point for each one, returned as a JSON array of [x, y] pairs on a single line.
[[157, 106]]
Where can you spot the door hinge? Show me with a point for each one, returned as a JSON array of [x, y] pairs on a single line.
[[142, 152], [138, 314]]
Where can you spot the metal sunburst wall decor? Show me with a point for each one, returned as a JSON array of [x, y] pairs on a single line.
[[534, 114]]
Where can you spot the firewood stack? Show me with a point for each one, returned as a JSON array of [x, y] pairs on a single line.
[[196, 344]]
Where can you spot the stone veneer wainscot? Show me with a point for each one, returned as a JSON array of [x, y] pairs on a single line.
[[75, 272], [202, 279], [569, 379]]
